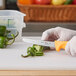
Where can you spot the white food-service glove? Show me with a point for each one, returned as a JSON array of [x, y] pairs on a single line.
[[58, 33], [61, 34], [71, 47]]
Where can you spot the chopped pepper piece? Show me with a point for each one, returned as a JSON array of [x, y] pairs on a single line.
[[2, 30], [4, 41], [35, 50]]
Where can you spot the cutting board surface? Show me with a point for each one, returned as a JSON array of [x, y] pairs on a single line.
[[10, 59]]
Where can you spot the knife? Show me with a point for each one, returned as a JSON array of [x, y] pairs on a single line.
[[57, 44]]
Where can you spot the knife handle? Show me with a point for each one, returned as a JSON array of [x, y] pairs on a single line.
[[60, 45]]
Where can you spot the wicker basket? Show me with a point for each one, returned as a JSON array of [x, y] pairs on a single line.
[[49, 13]]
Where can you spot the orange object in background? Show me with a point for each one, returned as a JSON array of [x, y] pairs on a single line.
[[25, 2]]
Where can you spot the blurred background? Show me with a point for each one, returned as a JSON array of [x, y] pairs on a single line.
[[34, 28]]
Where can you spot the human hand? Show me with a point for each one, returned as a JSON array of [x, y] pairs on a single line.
[[70, 48], [58, 33]]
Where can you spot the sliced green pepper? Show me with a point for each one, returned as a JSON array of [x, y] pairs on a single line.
[[15, 35], [30, 52], [39, 49], [35, 50], [13, 40], [5, 32], [2, 30], [4, 41]]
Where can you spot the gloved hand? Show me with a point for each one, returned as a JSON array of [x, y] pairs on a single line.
[[58, 33], [71, 47]]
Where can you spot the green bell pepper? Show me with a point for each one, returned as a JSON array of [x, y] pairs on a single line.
[[68, 2]]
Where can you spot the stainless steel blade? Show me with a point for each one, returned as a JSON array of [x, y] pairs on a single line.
[[39, 42]]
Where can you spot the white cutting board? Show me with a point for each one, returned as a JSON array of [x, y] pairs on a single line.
[[10, 59]]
